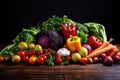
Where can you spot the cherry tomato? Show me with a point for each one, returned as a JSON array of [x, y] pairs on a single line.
[[45, 51], [68, 58], [54, 52], [58, 61], [31, 53], [32, 59], [45, 57], [48, 49], [40, 60], [39, 53], [84, 61], [25, 59], [58, 56], [1, 58], [21, 53], [48, 56]]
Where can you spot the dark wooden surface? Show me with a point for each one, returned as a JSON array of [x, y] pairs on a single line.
[[24, 71], [70, 72]]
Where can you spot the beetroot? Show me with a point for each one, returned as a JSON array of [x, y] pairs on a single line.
[[116, 59], [108, 61]]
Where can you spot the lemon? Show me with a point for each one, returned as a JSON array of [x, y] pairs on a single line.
[[76, 57], [22, 45], [38, 47]]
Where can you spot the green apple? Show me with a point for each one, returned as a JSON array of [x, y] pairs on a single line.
[[83, 52], [38, 47], [75, 57], [22, 45]]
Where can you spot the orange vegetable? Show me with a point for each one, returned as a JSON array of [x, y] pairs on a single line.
[[118, 54], [74, 43], [105, 44], [101, 51], [114, 52]]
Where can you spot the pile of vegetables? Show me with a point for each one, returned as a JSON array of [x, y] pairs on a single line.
[[60, 41]]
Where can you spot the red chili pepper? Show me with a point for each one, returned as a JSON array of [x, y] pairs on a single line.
[[68, 29], [94, 42]]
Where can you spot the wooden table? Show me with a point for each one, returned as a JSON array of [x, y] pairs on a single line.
[[70, 72], [24, 71]]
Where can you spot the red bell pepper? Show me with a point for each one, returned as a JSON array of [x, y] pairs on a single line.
[[94, 42], [68, 29]]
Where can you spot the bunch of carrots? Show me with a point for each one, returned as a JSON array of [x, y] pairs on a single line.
[[107, 48]]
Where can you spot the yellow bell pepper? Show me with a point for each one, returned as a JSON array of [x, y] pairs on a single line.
[[74, 43]]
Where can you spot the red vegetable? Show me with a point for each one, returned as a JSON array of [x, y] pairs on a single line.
[[59, 61], [40, 60], [68, 29], [96, 52], [1, 58], [94, 42], [108, 61]]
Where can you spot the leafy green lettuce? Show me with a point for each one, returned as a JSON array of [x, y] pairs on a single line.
[[97, 30]]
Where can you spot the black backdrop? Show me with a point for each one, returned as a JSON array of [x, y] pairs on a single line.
[[18, 14]]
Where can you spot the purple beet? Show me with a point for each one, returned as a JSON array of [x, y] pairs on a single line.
[[108, 61], [116, 59]]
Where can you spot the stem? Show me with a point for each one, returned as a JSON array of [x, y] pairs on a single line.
[[72, 39]]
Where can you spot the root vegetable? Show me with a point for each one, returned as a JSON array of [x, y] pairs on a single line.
[[101, 51], [114, 52]]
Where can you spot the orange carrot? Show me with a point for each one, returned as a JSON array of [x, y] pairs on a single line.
[[118, 54], [105, 44], [114, 52], [100, 51]]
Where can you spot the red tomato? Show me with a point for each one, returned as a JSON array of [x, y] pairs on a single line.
[[58, 61], [54, 52], [68, 58], [32, 59], [21, 53], [39, 53], [45, 57], [58, 56], [1, 58], [45, 51], [84, 61], [48, 49], [25, 59], [31, 53], [40, 60]]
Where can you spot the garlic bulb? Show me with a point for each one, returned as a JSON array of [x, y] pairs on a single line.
[[63, 52]]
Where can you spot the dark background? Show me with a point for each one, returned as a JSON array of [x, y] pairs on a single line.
[[18, 14]]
